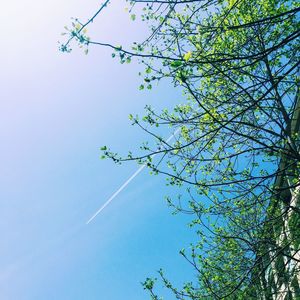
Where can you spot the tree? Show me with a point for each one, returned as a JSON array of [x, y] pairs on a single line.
[[236, 138]]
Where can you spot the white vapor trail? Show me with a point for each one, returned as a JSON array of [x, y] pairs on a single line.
[[123, 186]]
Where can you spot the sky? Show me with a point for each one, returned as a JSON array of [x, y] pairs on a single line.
[[56, 111]]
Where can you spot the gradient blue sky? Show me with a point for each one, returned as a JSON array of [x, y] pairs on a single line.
[[56, 111]]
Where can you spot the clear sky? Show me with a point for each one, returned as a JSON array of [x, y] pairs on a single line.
[[56, 111]]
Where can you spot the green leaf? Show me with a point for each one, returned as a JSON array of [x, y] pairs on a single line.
[[187, 56], [176, 64]]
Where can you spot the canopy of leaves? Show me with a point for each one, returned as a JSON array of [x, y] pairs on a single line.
[[236, 141]]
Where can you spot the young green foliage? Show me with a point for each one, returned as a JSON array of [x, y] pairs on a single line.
[[237, 146]]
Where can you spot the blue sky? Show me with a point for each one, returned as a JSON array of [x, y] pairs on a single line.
[[56, 111]]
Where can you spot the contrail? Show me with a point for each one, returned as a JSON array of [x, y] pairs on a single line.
[[123, 186], [116, 193]]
